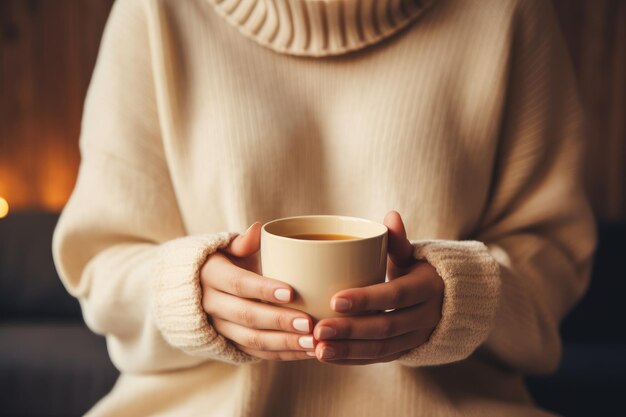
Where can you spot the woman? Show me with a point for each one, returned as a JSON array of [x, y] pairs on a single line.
[[206, 116]]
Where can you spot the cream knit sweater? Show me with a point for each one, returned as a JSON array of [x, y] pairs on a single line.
[[204, 116]]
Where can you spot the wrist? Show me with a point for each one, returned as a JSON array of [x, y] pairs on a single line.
[[471, 291], [177, 298]]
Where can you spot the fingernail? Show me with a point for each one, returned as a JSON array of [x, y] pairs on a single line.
[[282, 294], [341, 304], [328, 353], [249, 228], [301, 324], [326, 332], [306, 342], [310, 353]]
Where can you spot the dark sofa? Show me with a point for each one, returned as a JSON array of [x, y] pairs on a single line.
[[52, 365]]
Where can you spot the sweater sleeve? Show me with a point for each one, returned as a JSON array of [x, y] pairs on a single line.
[[120, 245], [529, 261]]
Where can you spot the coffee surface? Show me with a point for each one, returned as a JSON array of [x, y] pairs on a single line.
[[323, 236]]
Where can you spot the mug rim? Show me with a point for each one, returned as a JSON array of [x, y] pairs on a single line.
[[325, 242]]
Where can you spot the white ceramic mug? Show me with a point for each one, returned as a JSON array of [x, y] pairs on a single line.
[[317, 269]]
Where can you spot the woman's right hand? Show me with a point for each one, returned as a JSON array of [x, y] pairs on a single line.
[[233, 293]]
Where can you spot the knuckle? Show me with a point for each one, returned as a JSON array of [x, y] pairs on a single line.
[[266, 290], [281, 321], [255, 341], [290, 342], [235, 285], [245, 317]]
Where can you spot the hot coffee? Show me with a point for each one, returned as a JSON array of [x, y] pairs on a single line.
[[326, 254], [323, 236]]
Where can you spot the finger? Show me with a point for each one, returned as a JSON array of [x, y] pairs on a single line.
[[247, 243], [369, 349], [378, 326], [254, 314], [399, 248], [250, 263], [394, 271], [288, 355], [266, 340], [404, 291], [220, 273], [361, 361]]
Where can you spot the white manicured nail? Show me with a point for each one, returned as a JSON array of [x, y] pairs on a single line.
[[301, 324], [306, 341], [282, 294]]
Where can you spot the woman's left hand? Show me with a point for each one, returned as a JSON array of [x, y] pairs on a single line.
[[414, 292]]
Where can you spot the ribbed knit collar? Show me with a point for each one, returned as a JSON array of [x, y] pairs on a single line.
[[319, 27]]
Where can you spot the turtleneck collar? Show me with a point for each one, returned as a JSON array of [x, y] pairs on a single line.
[[319, 27]]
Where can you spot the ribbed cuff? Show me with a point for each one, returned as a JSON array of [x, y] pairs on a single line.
[[177, 298], [471, 279]]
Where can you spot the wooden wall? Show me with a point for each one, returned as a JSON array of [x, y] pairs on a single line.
[[47, 52], [48, 49]]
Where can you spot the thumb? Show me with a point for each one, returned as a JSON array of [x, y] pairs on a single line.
[[247, 243], [399, 248]]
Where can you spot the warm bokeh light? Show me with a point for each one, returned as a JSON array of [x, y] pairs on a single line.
[[4, 207], [39, 178]]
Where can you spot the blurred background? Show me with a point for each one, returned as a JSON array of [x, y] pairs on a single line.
[[50, 364]]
